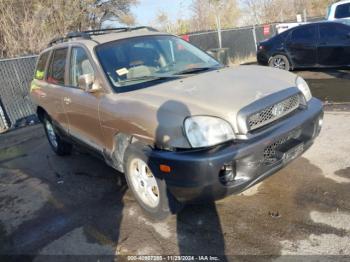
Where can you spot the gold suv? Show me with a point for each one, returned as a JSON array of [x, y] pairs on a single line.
[[182, 127]]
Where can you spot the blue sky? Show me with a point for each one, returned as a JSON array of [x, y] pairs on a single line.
[[146, 10]]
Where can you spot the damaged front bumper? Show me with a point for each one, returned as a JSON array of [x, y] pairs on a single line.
[[211, 174]]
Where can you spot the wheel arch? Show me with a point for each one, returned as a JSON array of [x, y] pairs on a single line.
[[41, 112], [121, 141]]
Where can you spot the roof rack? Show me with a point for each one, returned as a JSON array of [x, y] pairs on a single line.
[[87, 34]]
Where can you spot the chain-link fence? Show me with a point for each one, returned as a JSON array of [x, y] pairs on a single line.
[[240, 42], [16, 107]]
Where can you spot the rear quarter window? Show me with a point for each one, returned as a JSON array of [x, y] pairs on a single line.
[[342, 11], [40, 68]]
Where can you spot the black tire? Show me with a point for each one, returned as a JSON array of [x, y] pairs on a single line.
[[167, 203], [61, 147], [280, 62]]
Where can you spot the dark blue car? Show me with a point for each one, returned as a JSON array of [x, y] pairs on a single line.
[[322, 44]]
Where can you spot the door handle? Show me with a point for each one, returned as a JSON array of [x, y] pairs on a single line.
[[67, 100]]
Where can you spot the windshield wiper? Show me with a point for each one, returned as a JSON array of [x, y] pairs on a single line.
[[147, 78], [195, 70]]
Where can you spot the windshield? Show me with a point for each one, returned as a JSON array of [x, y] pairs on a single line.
[[138, 60]]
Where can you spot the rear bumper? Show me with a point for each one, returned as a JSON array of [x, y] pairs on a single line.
[[196, 175], [262, 57]]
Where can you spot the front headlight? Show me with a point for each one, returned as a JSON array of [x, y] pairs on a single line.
[[204, 131], [303, 87]]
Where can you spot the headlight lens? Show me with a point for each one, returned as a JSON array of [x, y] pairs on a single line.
[[303, 87], [204, 131]]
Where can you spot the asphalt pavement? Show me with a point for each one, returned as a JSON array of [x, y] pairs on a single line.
[[331, 85]]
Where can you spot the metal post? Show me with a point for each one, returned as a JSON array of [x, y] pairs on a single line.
[[305, 15], [255, 41], [3, 119], [218, 23], [217, 6]]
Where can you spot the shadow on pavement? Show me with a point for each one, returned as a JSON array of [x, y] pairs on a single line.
[[63, 201], [197, 226], [199, 231]]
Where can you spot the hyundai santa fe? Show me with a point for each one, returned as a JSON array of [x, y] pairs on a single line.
[[179, 125]]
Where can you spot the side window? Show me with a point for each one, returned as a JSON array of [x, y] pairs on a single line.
[[40, 67], [333, 32], [305, 35], [342, 11], [57, 67], [79, 65]]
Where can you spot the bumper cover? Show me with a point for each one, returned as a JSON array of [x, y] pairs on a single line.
[[195, 176], [262, 57]]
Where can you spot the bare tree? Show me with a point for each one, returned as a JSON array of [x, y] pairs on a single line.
[[269, 11], [206, 12], [27, 25], [162, 21]]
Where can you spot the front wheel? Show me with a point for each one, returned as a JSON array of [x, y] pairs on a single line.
[[280, 62], [58, 145], [149, 190]]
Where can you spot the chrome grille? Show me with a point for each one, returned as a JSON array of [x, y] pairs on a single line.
[[273, 112]]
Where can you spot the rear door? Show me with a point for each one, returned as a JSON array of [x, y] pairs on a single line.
[[302, 46], [54, 90], [38, 87], [334, 44], [81, 107]]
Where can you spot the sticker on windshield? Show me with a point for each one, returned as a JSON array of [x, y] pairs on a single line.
[[122, 71]]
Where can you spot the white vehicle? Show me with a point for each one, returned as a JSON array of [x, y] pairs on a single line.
[[285, 26], [339, 10]]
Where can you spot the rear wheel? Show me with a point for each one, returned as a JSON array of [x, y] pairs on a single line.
[[59, 146], [149, 190], [280, 62]]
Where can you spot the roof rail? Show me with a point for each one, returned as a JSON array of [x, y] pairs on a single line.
[[87, 34], [56, 40], [118, 29]]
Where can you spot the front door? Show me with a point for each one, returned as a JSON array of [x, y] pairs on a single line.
[[81, 107], [302, 46], [334, 45]]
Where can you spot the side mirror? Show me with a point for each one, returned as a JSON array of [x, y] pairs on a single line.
[[87, 83]]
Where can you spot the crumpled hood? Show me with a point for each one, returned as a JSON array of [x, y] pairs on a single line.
[[220, 93]]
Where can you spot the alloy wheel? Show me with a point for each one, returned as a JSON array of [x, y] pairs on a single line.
[[279, 63], [51, 134], [144, 183]]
